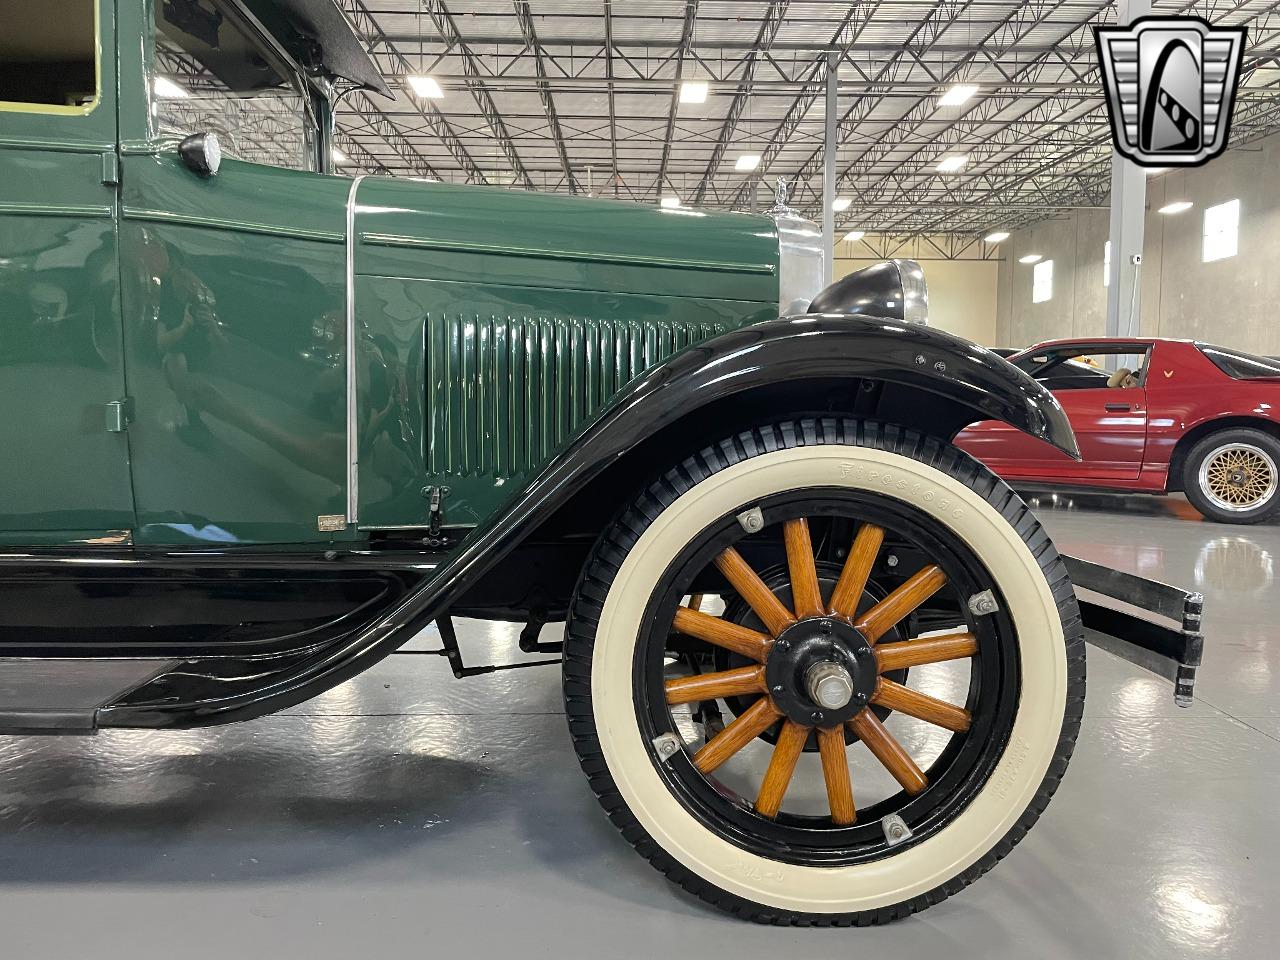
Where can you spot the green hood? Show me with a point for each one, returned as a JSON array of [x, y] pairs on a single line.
[[440, 231]]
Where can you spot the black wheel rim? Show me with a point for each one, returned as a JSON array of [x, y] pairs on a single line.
[[953, 778]]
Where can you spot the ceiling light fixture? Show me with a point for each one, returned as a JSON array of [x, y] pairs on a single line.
[[166, 88], [747, 162], [693, 91], [840, 204], [339, 157], [1000, 236], [1031, 258], [669, 203], [853, 236], [428, 88], [1177, 206], [957, 95], [953, 163]]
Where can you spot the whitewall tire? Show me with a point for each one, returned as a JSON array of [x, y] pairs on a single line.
[[995, 788]]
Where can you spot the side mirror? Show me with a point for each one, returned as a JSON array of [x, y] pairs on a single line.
[[202, 153]]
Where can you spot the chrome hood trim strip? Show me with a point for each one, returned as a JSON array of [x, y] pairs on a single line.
[[353, 439]]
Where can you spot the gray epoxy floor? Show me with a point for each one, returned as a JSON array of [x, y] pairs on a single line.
[[406, 813]]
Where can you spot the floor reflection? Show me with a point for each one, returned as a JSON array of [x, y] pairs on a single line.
[[1224, 562], [1142, 505], [1235, 564]]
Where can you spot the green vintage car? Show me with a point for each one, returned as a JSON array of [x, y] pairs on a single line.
[[265, 423]]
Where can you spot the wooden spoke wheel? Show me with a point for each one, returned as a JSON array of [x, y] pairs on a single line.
[[824, 674], [810, 654]]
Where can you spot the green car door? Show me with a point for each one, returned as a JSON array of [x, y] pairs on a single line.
[[64, 459], [234, 292]]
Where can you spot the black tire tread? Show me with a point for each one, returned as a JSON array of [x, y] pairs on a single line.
[[607, 556]]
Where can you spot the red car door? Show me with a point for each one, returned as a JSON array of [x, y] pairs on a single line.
[[1111, 429], [1110, 425]]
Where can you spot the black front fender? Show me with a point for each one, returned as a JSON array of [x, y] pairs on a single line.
[[974, 383], [953, 381], [918, 361]]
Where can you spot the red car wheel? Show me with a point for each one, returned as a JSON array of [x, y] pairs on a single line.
[[1233, 476]]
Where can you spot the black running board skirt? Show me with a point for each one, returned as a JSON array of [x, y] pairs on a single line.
[[50, 695]]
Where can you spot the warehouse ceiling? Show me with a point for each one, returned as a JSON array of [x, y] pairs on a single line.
[[584, 97]]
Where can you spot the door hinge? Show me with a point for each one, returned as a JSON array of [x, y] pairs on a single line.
[[111, 168], [119, 413], [435, 508]]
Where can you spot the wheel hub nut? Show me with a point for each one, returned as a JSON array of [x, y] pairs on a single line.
[[829, 685]]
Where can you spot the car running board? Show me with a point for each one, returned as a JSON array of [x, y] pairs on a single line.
[[63, 695], [1170, 645]]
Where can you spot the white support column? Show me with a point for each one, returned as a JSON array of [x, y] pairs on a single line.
[[829, 170], [1128, 216]]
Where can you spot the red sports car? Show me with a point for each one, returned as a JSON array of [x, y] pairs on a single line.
[[1169, 415]]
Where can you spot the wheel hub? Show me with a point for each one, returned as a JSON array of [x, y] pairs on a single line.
[[828, 685], [821, 672]]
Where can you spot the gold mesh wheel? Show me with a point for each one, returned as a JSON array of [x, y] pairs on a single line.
[[1238, 476]]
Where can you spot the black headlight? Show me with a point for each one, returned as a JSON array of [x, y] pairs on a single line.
[[893, 289]]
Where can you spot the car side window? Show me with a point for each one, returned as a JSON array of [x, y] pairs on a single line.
[[48, 70], [1064, 371], [1086, 371], [213, 73]]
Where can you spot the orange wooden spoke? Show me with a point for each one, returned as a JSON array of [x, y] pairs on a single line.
[[748, 725], [916, 653], [857, 569], [751, 588], [713, 686], [921, 706], [781, 765], [695, 601], [752, 644], [835, 770], [806, 595], [889, 751], [886, 614]]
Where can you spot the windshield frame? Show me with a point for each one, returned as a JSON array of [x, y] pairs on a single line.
[[309, 87]]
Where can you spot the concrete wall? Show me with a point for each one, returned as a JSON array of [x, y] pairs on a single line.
[[1230, 302], [962, 293]]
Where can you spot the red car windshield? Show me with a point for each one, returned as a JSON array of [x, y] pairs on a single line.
[[1241, 366]]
